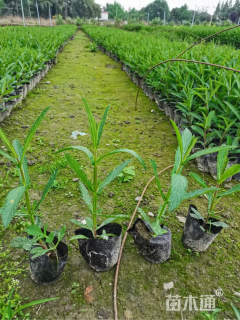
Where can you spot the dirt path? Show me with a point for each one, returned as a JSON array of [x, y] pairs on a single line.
[[80, 73]]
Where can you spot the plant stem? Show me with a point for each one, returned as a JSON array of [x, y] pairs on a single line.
[[212, 204], [204, 138], [95, 187]]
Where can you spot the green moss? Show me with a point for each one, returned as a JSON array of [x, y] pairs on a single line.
[[80, 73]]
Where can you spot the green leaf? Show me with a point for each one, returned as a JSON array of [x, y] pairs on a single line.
[[207, 151], [133, 153], [32, 131], [230, 191], [178, 190], [47, 188], [33, 303], [89, 223], [179, 138], [220, 224], [144, 215], [38, 251], [209, 119], [113, 174], [196, 215], [92, 124], [190, 147], [199, 180], [154, 166], [236, 310], [79, 223], [86, 196], [177, 162], [50, 237], [229, 173], [20, 242], [19, 150], [117, 216], [11, 204], [109, 220], [222, 161], [80, 236], [61, 233], [233, 109], [186, 140], [4, 154], [199, 192], [7, 143], [80, 148], [34, 230], [101, 125], [75, 166]]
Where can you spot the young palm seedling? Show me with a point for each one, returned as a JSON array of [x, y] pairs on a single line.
[[99, 244], [42, 245], [199, 231], [153, 238]]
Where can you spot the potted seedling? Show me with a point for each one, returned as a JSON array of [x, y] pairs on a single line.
[[99, 244], [47, 253], [153, 239], [199, 232]]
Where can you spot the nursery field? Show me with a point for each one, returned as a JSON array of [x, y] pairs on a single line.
[[24, 52], [144, 287], [231, 38]]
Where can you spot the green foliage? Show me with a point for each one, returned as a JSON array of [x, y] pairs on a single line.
[[9, 311], [214, 195], [207, 98], [177, 192], [95, 186], [127, 174]]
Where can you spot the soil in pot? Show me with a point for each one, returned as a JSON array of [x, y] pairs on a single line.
[[100, 254], [194, 237], [45, 269], [155, 250]]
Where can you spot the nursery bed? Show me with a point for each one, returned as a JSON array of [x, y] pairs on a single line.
[[141, 295]]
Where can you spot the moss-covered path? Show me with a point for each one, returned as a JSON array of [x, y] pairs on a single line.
[[80, 73]]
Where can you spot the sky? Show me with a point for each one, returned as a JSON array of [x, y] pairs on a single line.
[[138, 4]]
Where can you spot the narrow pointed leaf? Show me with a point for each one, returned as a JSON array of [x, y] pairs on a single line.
[[101, 125], [11, 204], [230, 191], [80, 148], [144, 215], [79, 236], [77, 169], [47, 188], [229, 173], [33, 303], [199, 192], [207, 151], [179, 138], [33, 130], [109, 220], [154, 166], [4, 154], [86, 196], [186, 140], [233, 109], [79, 223], [199, 180], [7, 142], [19, 150], [178, 190], [92, 123], [113, 175], [133, 153], [236, 310], [222, 161]]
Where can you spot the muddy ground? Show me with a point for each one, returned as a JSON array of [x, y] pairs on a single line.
[[141, 295]]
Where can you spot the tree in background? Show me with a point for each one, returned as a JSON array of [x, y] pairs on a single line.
[[156, 9], [115, 11], [181, 14]]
